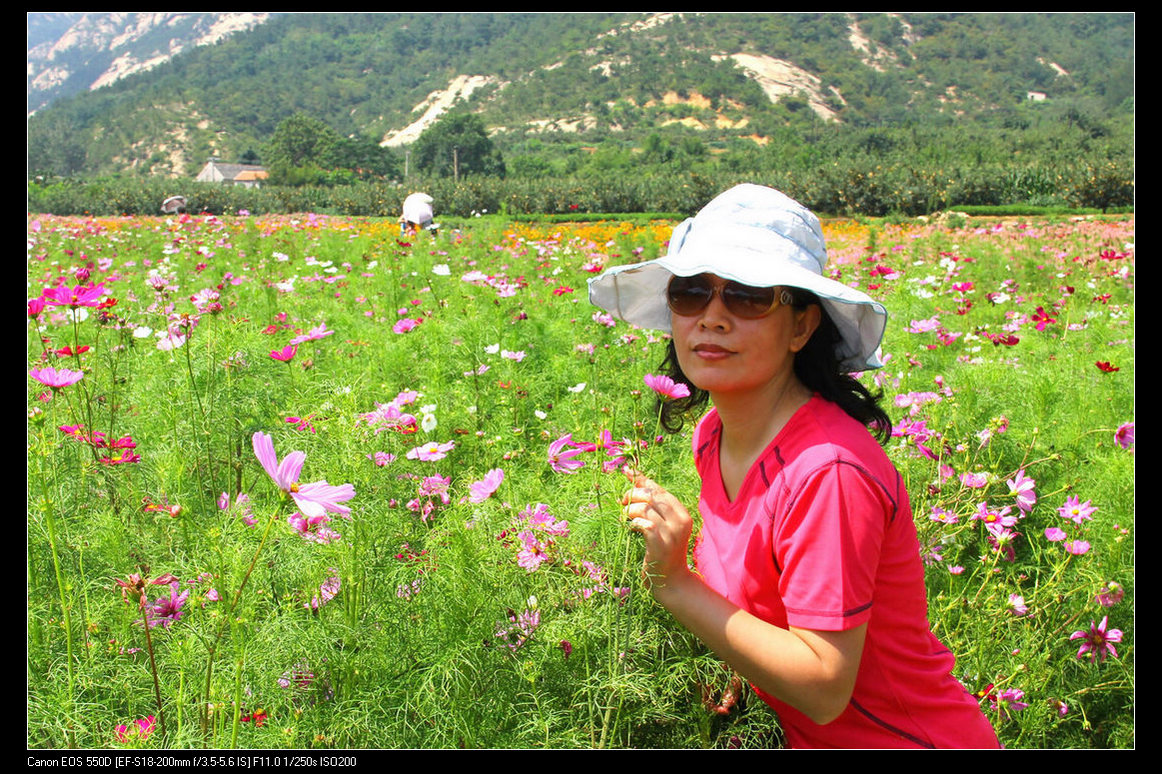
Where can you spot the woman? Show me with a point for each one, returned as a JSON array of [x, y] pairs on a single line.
[[808, 576]]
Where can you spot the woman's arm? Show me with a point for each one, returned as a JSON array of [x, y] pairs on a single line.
[[813, 671]]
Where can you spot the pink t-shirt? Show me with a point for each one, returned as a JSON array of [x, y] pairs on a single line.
[[821, 537]]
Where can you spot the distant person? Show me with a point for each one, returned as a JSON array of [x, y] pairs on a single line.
[[417, 213], [808, 579]]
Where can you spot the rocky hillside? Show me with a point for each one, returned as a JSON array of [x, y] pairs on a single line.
[[72, 52]]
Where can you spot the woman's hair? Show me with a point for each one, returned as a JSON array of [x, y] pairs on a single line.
[[816, 366]]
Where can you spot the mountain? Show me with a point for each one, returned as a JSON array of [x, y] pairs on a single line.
[[71, 52], [160, 93]]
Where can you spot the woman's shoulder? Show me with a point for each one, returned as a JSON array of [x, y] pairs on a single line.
[[824, 431], [706, 432]]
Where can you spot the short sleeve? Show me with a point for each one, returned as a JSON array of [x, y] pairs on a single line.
[[827, 542]]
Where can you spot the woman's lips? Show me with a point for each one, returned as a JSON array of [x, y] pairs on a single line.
[[711, 351]]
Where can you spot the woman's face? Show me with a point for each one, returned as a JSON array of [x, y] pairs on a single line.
[[725, 354]]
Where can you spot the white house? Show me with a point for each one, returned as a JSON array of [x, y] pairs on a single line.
[[249, 175]]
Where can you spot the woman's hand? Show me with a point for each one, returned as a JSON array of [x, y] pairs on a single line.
[[666, 525]]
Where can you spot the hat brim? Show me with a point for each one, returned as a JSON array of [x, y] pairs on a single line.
[[636, 294]]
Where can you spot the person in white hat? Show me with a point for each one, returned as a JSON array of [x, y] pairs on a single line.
[[808, 579], [417, 213]]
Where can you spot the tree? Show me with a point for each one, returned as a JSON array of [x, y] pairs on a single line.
[[457, 145], [300, 141]]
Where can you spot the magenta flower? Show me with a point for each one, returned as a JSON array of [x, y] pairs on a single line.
[[286, 353], [482, 490], [1076, 511], [312, 499], [167, 610], [1124, 436], [55, 378], [1077, 547], [1055, 534], [81, 295], [1008, 700], [561, 454], [139, 730], [1022, 487], [1098, 641], [666, 387]]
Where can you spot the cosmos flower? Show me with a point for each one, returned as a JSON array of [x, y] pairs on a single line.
[[167, 610], [482, 490], [81, 295], [431, 451], [56, 378], [138, 730], [312, 499], [286, 353], [1097, 643], [1110, 594], [1076, 511], [561, 454], [1124, 436], [1021, 486], [666, 387], [318, 332]]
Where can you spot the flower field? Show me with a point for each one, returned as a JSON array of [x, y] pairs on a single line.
[[295, 483]]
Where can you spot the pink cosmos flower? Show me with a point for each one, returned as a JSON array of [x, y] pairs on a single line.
[[974, 480], [561, 454], [667, 387], [991, 515], [1110, 594], [312, 499], [1022, 486], [138, 730], [166, 610], [286, 353], [482, 490], [1077, 547], [1098, 641], [405, 325], [327, 592], [1076, 511], [81, 295], [1008, 700], [313, 529], [1042, 319], [318, 332], [56, 378], [1054, 535], [1124, 436], [431, 451], [1017, 605]]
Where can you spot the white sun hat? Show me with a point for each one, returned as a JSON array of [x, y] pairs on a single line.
[[417, 208], [757, 236]]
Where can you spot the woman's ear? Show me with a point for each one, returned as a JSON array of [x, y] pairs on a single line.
[[806, 322]]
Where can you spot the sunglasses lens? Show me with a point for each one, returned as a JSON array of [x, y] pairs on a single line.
[[746, 301], [689, 295]]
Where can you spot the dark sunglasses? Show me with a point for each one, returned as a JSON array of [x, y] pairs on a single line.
[[688, 296]]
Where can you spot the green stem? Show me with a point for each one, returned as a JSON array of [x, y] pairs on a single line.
[[152, 664], [213, 649]]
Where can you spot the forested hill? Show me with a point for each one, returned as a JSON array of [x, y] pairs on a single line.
[[685, 87]]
